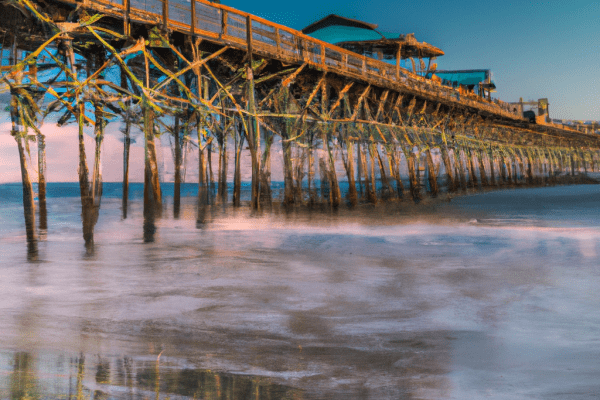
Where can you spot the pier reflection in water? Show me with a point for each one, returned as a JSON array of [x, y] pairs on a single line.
[[490, 295], [33, 376]]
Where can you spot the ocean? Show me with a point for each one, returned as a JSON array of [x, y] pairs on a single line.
[[484, 295]]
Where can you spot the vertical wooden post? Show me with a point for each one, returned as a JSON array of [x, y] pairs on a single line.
[[126, 18], [352, 195], [193, 19], [373, 192], [447, 163], [334, 185], [540, 162], [84, 186], [368, 184], [16, 114], [178, 161], [493, 180], [396, 165], [509, 167], [265, 171], [249, 39], [237, 176], [521, 168], [431, 174], [398, 59], [360, 168], [224, 17], [165, 15], [415, 188], [41, 141], [482, 173], [126, 147], [471, 168], [253, 127], [99, 138], [530, 171], [459, 165]]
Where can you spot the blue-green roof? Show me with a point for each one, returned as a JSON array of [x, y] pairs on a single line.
[[464, 77], [337, 34]]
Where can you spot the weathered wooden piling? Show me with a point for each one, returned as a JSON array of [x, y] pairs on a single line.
[[471, 165], [431, 174], [458, 162], [396, 157], [482, 173], [349, 166], [491, 160], [449, 169]]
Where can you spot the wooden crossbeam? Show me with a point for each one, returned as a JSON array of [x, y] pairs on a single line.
[[359, 102]]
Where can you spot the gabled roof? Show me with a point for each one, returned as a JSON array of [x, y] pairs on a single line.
[[363, 38], [336, 20], [339, 34]]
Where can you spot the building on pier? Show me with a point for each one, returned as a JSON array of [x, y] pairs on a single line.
[[403, 50], [478, 81], [363, 38]]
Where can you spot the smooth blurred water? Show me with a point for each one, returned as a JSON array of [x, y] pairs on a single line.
[[491, 295]]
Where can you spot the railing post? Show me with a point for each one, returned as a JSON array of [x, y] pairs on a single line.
[[364, 65], [300, 47], [193, 19], [165, 15], [323, 56], [249, 38], [126, 25], [278, 40], [224, 16], [398, 58]]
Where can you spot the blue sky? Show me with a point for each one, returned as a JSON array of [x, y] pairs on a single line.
[[534, 49]]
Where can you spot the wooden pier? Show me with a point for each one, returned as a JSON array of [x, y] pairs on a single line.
[[218, 77]]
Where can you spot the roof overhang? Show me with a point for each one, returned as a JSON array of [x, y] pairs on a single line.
[[409, 47], [336, 20]]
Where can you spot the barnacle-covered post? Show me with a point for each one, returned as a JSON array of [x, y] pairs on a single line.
[[492, 163], [41, 155], [482, 174], [128, 117], [65, 47], [152, 193], [178, 160], [431, 173], [450, 178], [334, 194], [253, 132], [19, 132]]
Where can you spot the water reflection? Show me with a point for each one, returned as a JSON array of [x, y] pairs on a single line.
[[45, 375], [23, 379]]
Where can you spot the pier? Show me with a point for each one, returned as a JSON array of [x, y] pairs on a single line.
[[218, 77]]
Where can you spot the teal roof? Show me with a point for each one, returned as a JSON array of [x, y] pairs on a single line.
[[337, 34], [464, 77]]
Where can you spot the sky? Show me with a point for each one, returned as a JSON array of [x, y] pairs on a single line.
[[535, 50]]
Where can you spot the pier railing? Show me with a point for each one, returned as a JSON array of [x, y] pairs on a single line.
[[242, 30]]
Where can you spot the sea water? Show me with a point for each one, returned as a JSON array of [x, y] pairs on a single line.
[[489, 295]]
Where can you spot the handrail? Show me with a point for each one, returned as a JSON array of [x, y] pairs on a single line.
[[282, 41]]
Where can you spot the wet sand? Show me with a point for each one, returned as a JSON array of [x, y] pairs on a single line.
[[492, 295]]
